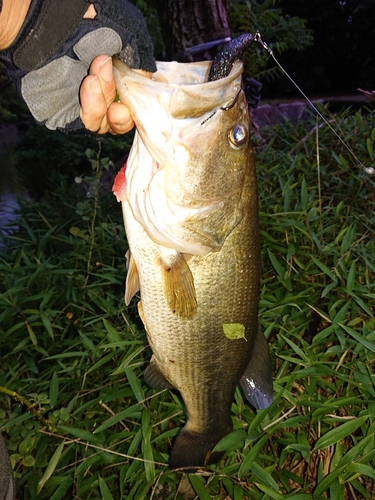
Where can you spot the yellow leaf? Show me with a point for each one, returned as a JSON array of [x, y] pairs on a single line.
[[234, 331]]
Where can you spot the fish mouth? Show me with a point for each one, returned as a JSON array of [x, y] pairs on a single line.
[[183, 87], [179, 118], [164, 108]]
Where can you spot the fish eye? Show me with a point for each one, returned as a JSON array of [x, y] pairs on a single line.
[[238, 136]]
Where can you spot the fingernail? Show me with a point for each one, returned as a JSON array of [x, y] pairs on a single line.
[[95, 85], [105, 70]]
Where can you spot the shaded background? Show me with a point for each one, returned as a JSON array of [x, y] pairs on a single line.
[[342, 56], [326, 45]]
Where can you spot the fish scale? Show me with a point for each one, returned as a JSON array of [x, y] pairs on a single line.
[[191, 353]]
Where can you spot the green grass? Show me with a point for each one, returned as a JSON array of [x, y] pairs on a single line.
[[79, 421]]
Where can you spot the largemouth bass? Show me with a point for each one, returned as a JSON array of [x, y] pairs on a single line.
[[190, 207]]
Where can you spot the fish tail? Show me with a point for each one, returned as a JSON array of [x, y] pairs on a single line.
[[192, 449]]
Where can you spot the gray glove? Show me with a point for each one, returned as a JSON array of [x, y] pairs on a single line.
[[54, 49]]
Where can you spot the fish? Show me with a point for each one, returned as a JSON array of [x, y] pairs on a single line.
[[190, 207]]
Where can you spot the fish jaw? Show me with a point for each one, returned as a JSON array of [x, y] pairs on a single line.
[[183, 140]]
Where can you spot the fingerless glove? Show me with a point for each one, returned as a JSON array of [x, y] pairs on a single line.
[[54, 49]]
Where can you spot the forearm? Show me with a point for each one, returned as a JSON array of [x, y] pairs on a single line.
[[12, 16]]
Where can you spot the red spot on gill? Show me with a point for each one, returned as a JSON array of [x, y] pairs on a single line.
[[119, 184]]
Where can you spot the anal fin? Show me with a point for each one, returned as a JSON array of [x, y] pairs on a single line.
[[132, 279], [256, 381], [178, 284], [154, 377]]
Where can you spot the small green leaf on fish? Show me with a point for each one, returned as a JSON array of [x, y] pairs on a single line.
[[234, 331]]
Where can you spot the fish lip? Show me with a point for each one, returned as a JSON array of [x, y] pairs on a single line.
[[198, 72]]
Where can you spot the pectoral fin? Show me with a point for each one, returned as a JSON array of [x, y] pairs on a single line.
[[178, 283], [256, 381], [154, 377], [132, 279], [141, 313]]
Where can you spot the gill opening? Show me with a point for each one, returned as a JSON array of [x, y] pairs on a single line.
[[368, 170], [208, 117]]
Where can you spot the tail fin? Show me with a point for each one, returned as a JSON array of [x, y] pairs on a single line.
[[192, 449]]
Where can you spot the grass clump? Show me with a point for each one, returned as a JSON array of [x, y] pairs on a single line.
[[78, 418]]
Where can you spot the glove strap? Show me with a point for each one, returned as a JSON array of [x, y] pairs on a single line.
[[50, 28]]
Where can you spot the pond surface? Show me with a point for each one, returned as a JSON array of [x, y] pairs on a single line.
[[10, 182], [8, 214]]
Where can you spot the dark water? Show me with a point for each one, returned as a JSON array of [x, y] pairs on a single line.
[[11, 186], [8, 214]]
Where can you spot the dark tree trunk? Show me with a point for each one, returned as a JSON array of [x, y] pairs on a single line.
[[188, 23]]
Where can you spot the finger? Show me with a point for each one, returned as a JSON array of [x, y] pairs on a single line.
[[97, 93], [119, 118], [96, 63], [98, 111], [93, 103], [102, 66], [105, 127]]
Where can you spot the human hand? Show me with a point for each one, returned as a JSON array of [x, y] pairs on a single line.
[[61, 64], [98, 110]]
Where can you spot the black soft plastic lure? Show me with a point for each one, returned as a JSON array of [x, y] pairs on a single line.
[[223, 62]]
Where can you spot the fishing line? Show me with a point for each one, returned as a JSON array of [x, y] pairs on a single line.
[[258, 38]]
